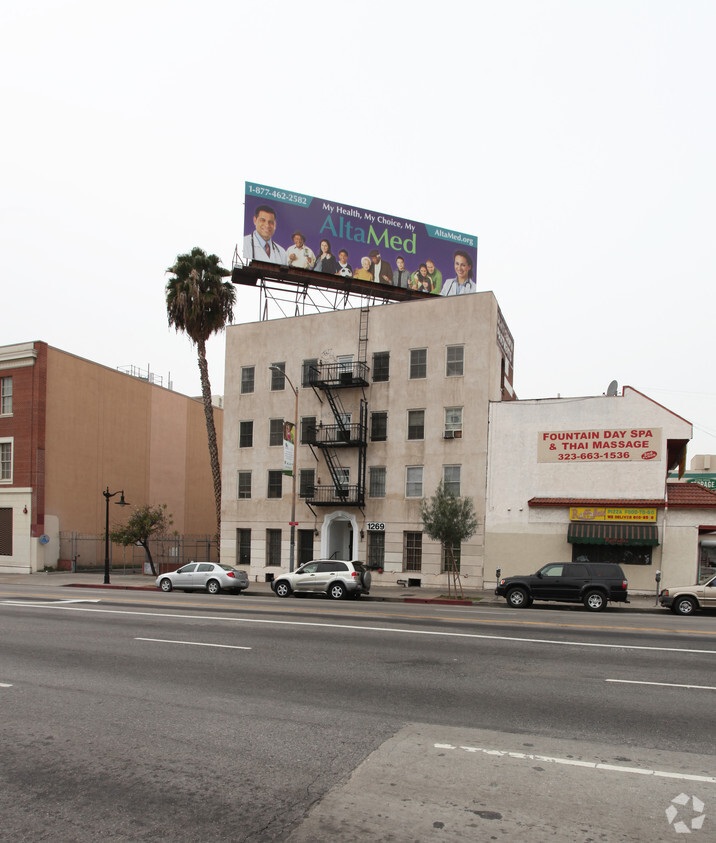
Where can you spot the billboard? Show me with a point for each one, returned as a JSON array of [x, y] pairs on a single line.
[[308, 233]]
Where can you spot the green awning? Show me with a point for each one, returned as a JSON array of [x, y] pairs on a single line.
[[591, 532]]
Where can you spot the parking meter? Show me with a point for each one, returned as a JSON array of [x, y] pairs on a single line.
[[498, 573], [657, 577]]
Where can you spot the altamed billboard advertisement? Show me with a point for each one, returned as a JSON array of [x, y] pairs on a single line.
[[305, 232]]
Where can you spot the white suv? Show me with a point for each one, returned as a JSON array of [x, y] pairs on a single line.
[[334, 577]]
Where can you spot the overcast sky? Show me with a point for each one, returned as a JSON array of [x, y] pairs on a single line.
[[576, 139]]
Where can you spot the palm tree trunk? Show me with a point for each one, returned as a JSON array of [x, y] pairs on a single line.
[[211, 434]]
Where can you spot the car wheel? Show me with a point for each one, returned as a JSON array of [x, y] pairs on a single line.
[[683, 606], [337, 591], [595, 601], [518, 598], [165, 584], [213, 587], [282, 589]]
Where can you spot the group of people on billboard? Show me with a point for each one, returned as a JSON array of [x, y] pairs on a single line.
[[260, 245]]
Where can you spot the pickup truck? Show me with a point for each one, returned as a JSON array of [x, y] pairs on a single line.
[[686, 599]]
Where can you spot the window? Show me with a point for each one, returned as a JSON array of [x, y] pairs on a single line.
[[414, 481], [309, 371], [6, 531], [273, 548], [5, 396], [451, 480], [275, 431], [243, 546], [376, 549], [244, 485], [308, 430], [275, 484], [278, 381], [453, 422], [6, 460], [247, 379], [455, 360], [381, 366], [630, 555], [418, 363], [412, 551], [345, 365], [306, 482], [445, 556], [246, 434], [416, 424], [376, 488], [379, 426], [376, 483], [305, 546], [343, 478]]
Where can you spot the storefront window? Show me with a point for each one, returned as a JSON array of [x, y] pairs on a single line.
[[616, 554]]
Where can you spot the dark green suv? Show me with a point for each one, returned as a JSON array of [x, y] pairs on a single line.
[[592, 583]]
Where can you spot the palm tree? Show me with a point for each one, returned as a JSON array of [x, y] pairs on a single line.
[[200, 303]]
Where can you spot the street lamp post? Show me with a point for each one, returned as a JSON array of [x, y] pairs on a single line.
[[293, 522], [121, 502]]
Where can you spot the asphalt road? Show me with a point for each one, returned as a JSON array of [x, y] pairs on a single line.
[[197, 717]]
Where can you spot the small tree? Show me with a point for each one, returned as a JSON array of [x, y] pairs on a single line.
[[450, 520], [144, 522]]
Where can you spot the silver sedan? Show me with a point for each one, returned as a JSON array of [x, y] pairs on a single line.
[[205, 576]]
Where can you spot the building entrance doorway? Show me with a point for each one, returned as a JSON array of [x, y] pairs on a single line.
[[339, 537]]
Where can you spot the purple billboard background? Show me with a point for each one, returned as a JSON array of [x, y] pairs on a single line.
[[306, 232]]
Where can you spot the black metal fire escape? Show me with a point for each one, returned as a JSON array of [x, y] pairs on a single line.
[[331, 439]]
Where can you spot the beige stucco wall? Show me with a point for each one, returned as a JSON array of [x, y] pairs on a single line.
[[468, 320], [106, 428]]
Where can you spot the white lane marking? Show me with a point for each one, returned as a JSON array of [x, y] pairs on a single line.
[[391, 629], [193, 643], [662, 684], [45, 602], [5, 685], [572, 762]]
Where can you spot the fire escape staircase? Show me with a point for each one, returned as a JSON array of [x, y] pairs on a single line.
[[331, 439]]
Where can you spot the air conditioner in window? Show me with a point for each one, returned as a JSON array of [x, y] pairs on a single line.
[[448, 434], [458, 434]]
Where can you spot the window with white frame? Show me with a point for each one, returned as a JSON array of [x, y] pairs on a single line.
[[451, 479], [246, 434], [5, 396], [244, 488], [418, 363], [412, 551], [455, 361], [278, 378], [275, 431], [6, 460], [414, 481], [247, 379], [453, 422], [416, 424], [343, 478]]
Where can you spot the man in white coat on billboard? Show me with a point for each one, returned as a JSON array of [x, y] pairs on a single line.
[[260, 245]]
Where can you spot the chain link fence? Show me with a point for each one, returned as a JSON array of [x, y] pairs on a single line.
[[83, 552]]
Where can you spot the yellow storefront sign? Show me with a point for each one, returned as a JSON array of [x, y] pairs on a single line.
[[611, 513]]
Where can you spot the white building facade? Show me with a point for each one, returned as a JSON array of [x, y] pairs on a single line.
[[391, 400], [571, 477]]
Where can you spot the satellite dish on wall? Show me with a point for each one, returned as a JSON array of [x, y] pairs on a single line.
[[612, 388]]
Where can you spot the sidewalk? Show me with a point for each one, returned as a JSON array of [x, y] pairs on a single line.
[[390, 593]]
